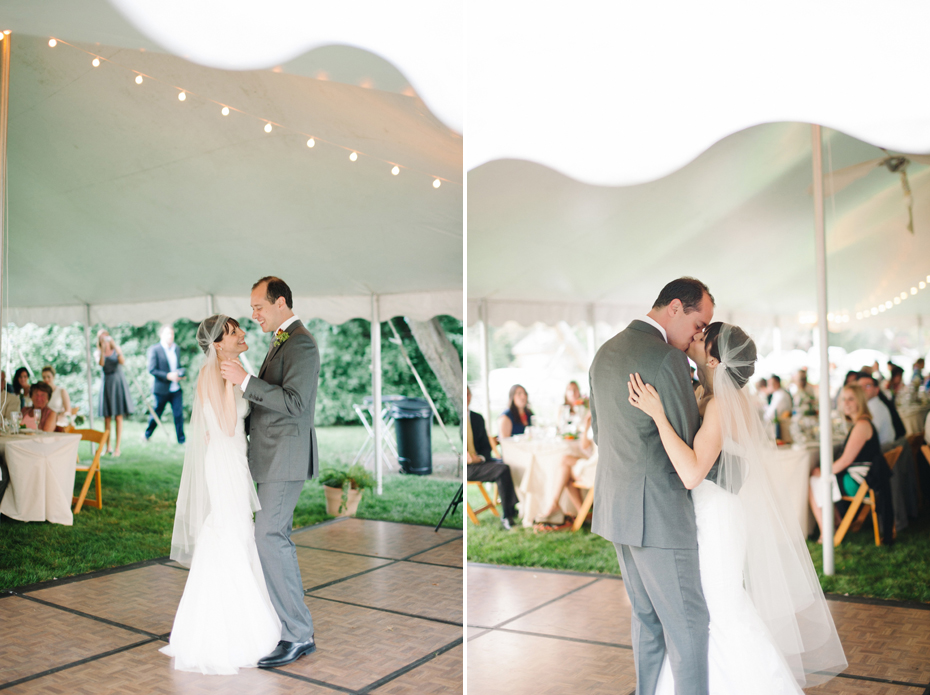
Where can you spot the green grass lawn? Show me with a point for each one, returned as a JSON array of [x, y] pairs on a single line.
[[900, 572], [139, 492]]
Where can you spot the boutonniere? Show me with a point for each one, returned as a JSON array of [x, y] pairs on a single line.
[[280, 338]]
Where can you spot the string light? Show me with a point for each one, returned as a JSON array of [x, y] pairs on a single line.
[[896, 300], [6, 32], [921, 284], [268, 127]]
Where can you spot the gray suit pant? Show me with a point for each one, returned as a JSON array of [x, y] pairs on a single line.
[[664, 586], [278, 554]]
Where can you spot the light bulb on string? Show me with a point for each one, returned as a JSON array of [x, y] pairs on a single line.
[[913, 290], [267, 127], [138, 79], [887, 305], [395, 170], [311, 142], [52, 43], [897, 300], [225, 111], [436, 183], [182, 96], [904, 295], [921, 284], [95, 62], [6, 32], [353, 156], [858, 315], [874, 311], [2, 36]]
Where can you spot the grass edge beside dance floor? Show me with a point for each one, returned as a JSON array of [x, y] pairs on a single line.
[[900, 572], [139, 492]]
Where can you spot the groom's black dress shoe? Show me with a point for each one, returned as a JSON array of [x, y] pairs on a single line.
[[287, 652]]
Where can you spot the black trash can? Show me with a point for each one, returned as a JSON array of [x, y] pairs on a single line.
[[413, 421]]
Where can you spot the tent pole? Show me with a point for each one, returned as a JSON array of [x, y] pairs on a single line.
[[211, 303], [485, 362], [4, 113], [376, 421], [826, 424], [90, 375]]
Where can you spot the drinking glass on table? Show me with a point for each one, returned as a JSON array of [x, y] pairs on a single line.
[[37, 414], [15, 418]]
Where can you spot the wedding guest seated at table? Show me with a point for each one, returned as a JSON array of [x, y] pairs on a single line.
[[21, 386], [862, 450], [40, 394], [762, 394], [483, 468], [802, 393], [574, 408], [897, 375], [60, 401], [852, 377], [9, 403], [518, 416], [894, 384], [586, 450], [779, 401], [881, 415], [918, 375]]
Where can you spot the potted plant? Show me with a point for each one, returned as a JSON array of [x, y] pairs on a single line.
[[343, 488]]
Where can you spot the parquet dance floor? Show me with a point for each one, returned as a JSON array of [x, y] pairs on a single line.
[[386, 600], [550, 633]]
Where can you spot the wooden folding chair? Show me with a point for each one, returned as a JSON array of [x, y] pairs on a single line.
[[585, 507], [863, 506], [92, 469], [490, 502]]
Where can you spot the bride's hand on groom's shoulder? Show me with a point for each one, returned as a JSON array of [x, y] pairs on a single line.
[[644, 396]]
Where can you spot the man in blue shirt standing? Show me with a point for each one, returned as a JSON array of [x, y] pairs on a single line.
[[164, 359]]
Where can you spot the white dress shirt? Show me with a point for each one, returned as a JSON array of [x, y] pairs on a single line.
[[881, 419], [781, 401], [282, 327], [172, 365]]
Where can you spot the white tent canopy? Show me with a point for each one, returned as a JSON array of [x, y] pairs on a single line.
[[420, 38], [126, 199], [544, 247], [625, 92]]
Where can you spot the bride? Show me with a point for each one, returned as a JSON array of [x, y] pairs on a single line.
[[225, 620], [771, 631]]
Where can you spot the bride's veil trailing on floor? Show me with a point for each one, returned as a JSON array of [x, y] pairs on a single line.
[[778, 573]]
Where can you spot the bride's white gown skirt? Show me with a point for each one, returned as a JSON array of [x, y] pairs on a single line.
[[225, 620], [742, 657]]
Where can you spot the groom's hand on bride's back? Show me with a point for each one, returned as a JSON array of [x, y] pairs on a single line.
[[232, 371]]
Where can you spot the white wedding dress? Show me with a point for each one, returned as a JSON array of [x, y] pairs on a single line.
[[225, 620], [742, 657]]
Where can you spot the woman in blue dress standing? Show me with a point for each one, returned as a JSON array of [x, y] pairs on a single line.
[[115, 400]]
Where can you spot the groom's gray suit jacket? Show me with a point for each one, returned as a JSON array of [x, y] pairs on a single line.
[[282, 439], [639, 500]]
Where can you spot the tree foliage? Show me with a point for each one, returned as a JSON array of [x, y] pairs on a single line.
[[345, 353]]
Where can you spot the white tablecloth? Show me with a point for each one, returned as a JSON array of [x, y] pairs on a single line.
[[533, 465], [42, 469], [790, 472]]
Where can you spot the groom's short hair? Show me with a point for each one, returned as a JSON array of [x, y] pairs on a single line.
[[689, 291], [276, 288]]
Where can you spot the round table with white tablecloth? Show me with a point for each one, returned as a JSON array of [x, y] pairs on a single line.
[[533, 466], [41, 470]]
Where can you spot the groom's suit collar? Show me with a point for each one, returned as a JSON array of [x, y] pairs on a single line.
[[294, 321], [647, 324]]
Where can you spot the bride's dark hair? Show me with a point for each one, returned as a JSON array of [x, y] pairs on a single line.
[[210, 331], [741, 360]]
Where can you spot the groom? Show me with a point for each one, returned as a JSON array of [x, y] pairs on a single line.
[[282, 455], [640, 503]]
